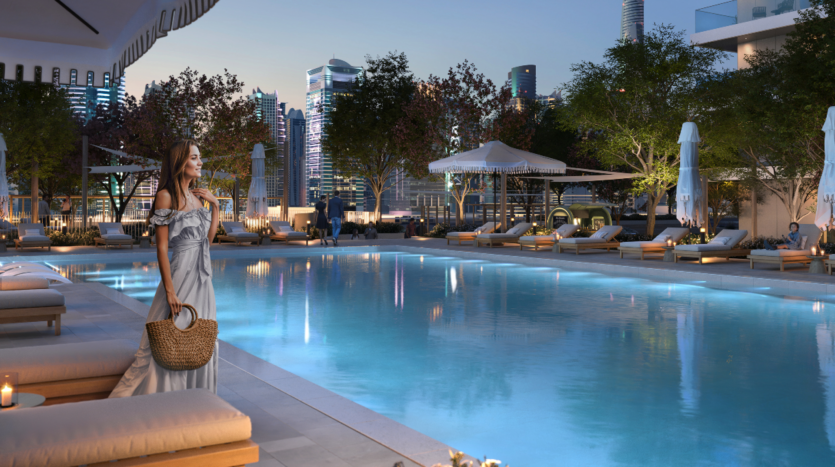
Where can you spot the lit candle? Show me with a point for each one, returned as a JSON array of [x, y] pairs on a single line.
[[669, 242], [814, 251], [6, 398]]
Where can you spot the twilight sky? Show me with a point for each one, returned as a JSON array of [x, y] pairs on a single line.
[[271, 43]]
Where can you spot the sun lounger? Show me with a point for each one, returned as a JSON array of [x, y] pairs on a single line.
[[511, 236], [36, 271], [716, 248], [783, 257], [656, 245], [602, 239], [113, 233], [20, 264], [564, 231], [184, 428], [32, 305], [32, 236], [829, 263], [285, 233], [237, 234], [487, 228], [73, 372]]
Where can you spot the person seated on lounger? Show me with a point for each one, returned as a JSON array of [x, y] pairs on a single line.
[[792, 241], [370, 232]]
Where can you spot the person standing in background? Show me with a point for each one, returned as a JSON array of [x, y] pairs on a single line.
[[336, 212], [322, 220], [66, 211], [43, 211]]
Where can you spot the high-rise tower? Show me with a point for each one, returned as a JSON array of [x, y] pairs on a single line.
[[270, 110], [323, 83], [632, 20], [522, 81]]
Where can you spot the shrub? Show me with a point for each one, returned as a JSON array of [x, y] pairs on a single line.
[[75, 237], [442, 229]]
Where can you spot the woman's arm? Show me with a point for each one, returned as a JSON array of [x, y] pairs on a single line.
[[207, 196], [163, 201]]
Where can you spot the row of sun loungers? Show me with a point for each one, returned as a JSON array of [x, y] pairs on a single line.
[[724, 245]]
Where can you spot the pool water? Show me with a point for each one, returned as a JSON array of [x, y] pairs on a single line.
[[537, 366]]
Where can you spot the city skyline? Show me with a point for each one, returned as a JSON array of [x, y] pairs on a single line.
[[432, 42]]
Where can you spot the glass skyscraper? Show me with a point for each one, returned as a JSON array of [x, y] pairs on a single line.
[[271, 111], [632, 20], [323, 83], [295, 124], [522, 82]]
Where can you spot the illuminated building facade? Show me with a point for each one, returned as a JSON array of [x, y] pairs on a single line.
[[323, 83], [522, 82], [295, 125], [632, 20], [270, 110]]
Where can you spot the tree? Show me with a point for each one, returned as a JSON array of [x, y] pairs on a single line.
[[455, 114], [37, 123], [360, 136], [637, 100], [723, 199], [201, 108]]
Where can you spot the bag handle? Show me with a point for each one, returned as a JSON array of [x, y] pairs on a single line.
[[193, 317]]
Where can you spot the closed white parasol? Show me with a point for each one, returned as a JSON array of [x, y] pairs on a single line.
[[689, 191], [826, 189], [5, 200], [256, 205]]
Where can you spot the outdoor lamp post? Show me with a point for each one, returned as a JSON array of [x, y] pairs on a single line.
[[421, 227], [702, 235], [534, 228], [308, 227]]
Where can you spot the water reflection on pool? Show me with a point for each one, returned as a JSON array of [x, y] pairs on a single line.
[[537, 366]]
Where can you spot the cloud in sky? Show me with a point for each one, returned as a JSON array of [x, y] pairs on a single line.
[[270, 44]]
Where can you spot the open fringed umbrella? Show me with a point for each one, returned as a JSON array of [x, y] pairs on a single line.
[[498, 158], [689, 195], [256, 205], [826, 190], [5, 199]]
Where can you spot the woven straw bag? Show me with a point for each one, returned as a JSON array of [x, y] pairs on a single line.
[[182, 349]]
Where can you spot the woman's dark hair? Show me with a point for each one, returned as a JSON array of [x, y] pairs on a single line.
[[322, 198], [794, 223], [172, 174]]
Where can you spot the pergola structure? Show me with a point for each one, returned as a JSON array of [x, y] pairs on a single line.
[[48, 40]]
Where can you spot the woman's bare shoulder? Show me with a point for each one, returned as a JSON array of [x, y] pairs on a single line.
[[162, 200]]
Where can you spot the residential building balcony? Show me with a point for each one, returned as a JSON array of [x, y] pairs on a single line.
[[742, 11]]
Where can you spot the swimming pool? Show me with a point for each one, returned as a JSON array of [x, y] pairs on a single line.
[[532, 365]]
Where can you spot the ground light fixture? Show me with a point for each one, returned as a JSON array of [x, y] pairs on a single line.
[[702, 234]]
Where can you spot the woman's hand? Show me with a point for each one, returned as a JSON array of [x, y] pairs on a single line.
[[206, 195], [174, 302]]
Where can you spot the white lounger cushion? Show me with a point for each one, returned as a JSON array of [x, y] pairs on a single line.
[[643, 245], [45, 363], [582, 240], [281, 226], [567, 230], [539, 239], [30, 299], [116, 237], [735, 236], [781, 252], [514, 233], [103, 430], [291, 234], [34, 239], [462, 234], [675, 233], [243, 235], [20, 264], [607, 233], [24, 282]]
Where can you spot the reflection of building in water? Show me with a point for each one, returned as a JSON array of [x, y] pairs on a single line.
[[825, 334]]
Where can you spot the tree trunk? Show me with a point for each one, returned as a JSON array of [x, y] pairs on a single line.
[[652, 203], [459, 212], [34, 189]]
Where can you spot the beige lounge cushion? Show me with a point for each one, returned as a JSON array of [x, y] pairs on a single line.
[[567, 230], [281, 226], [44, 363], [581, 240], [462, 234], [25, 282], [519, 229], [675, 233], [783, 253], [291, 234], [35, 239], [30, 299], [736, 236], [103, 430], [243, 235], [705, 247]]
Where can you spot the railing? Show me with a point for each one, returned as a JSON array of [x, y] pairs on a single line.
[[742, 11]]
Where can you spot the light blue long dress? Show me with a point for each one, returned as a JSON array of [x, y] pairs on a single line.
[[191, 272]]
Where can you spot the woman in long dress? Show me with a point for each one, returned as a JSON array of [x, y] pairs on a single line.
[[184, 225], [322, 220]]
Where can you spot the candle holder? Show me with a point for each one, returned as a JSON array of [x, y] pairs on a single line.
[[669, 243], [8, 389]]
